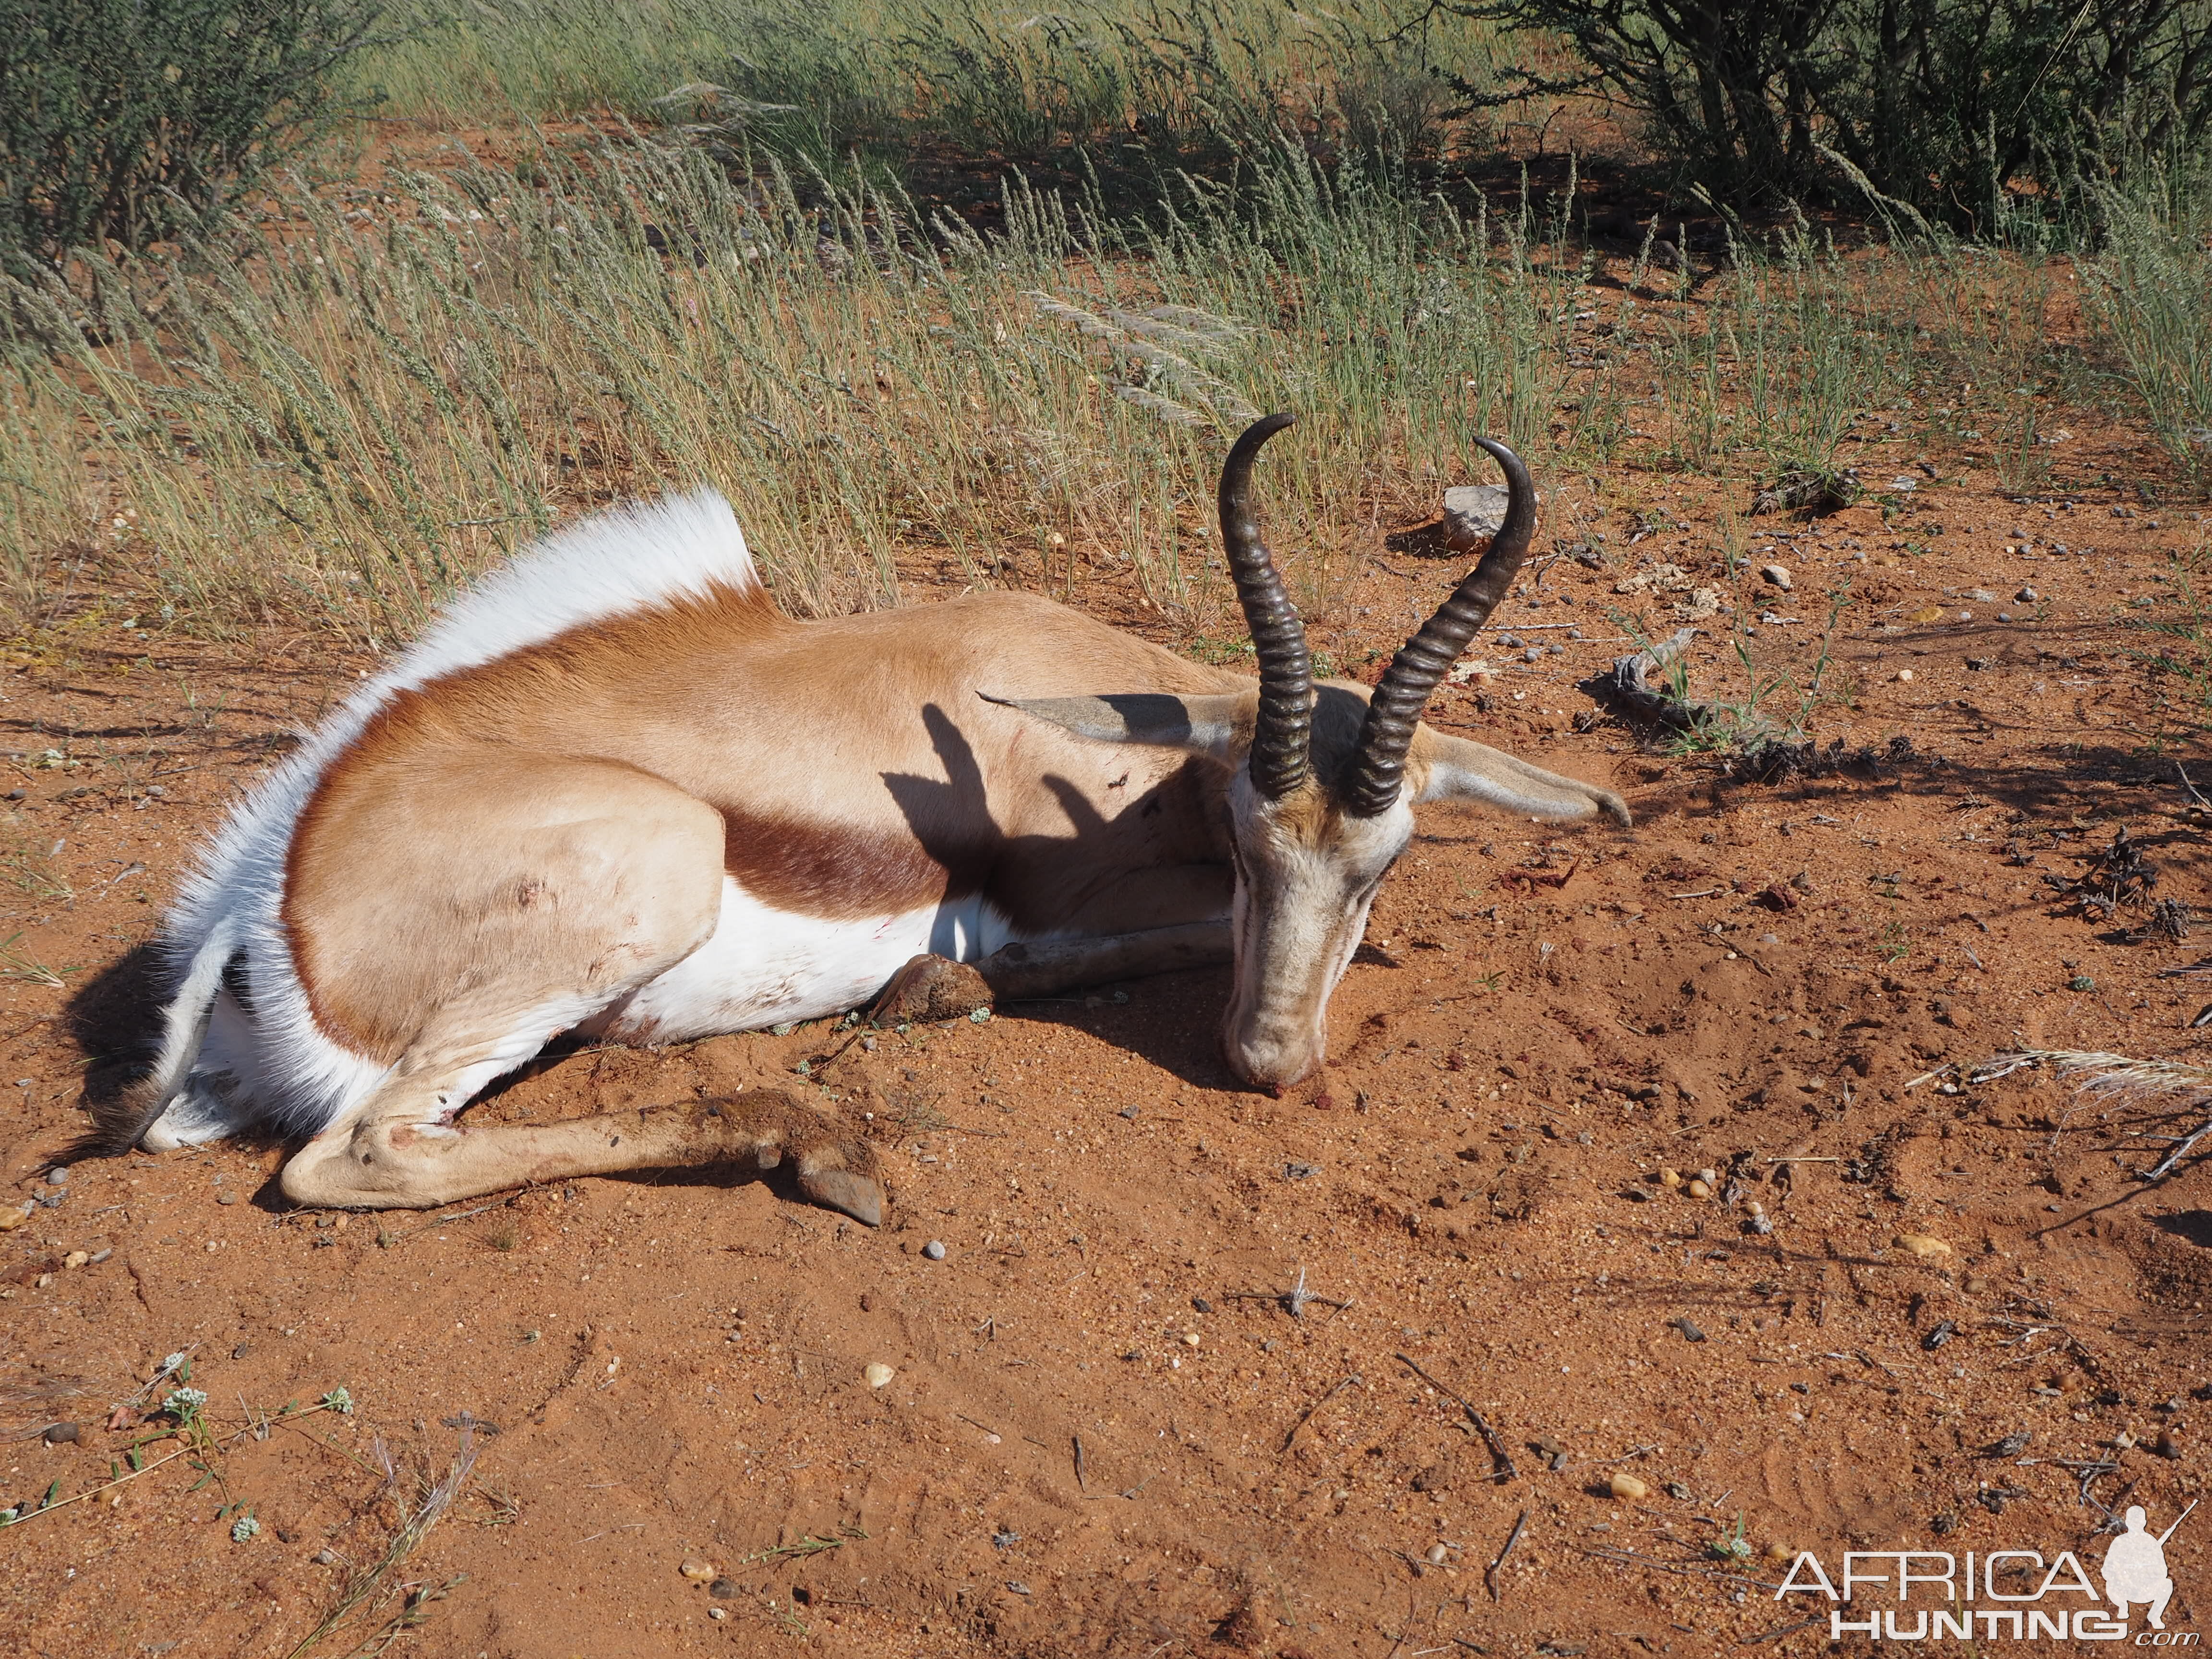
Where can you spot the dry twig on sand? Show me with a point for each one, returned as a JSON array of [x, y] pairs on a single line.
[[413, 1527]]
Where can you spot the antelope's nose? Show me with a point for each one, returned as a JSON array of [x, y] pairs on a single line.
[[1271, 1065]]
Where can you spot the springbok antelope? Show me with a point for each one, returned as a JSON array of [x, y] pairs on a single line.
[[614, 792]]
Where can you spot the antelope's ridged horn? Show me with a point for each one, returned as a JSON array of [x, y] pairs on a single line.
[[1283, 736], [1378, 765]]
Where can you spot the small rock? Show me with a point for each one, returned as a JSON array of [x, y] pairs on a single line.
[[1698, 1188], [1711, 1177], [326, 1557], [12, 1217], [57, 1177], [241, 1351], [1923, 1245], [1905, 675], [1474, 514], [698, 1572], [2124, 1440], [226, 1197], [76, 1258], [2166, 1445], [723, 1589], [718, 1614], [1199, 1303], [1689, 1330], [62, 1434], [2028, 596], [877, 1374], [1778, 575], [1670, 1178], [1190, 1339], [1678, 1491], [1438, 1554], [1779, 1552], [934, 1249], [1626, 1487]]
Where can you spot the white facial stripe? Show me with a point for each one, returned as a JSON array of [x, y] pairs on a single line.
[[1300, 911]]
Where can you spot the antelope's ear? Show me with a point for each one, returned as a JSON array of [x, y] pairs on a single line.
[[1219, 725], [1462, 770]]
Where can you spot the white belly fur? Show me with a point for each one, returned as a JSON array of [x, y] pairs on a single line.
[[764, 966]]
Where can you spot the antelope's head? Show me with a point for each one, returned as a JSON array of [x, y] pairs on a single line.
[[1326, 775]]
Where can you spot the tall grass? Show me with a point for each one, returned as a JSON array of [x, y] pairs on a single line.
[[366, 404], [2152, 286], [1163, 80]]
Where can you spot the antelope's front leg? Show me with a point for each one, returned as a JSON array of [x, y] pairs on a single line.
[[393, 1155], [932, 988]]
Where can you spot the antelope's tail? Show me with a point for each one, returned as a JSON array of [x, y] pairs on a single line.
[[120, 1123]]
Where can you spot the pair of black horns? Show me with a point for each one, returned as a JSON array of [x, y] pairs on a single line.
[[1282, 741]]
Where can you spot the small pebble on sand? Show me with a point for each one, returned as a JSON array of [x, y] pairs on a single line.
[[1626, 1487], [62, 1434], [1905, 674], [698, 1572], [934, 1249], [1923, 1245], [1699, 1189], [1670, 1178], [877, 1374]]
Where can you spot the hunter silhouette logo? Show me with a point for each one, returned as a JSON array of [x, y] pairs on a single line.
[[2034, 1599], [2135, 1567]]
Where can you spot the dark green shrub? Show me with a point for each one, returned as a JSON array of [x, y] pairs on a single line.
[[1945, 105], [133, 120]]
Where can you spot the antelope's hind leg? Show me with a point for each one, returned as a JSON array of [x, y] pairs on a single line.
[[566, 885], [390, 1158]]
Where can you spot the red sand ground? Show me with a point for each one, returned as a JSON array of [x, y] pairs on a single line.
[[1073, 1456]]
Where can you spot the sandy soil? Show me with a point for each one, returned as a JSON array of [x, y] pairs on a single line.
[[1097, 1439]]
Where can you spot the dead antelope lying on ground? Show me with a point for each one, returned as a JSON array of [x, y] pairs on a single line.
[[614, 792]]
